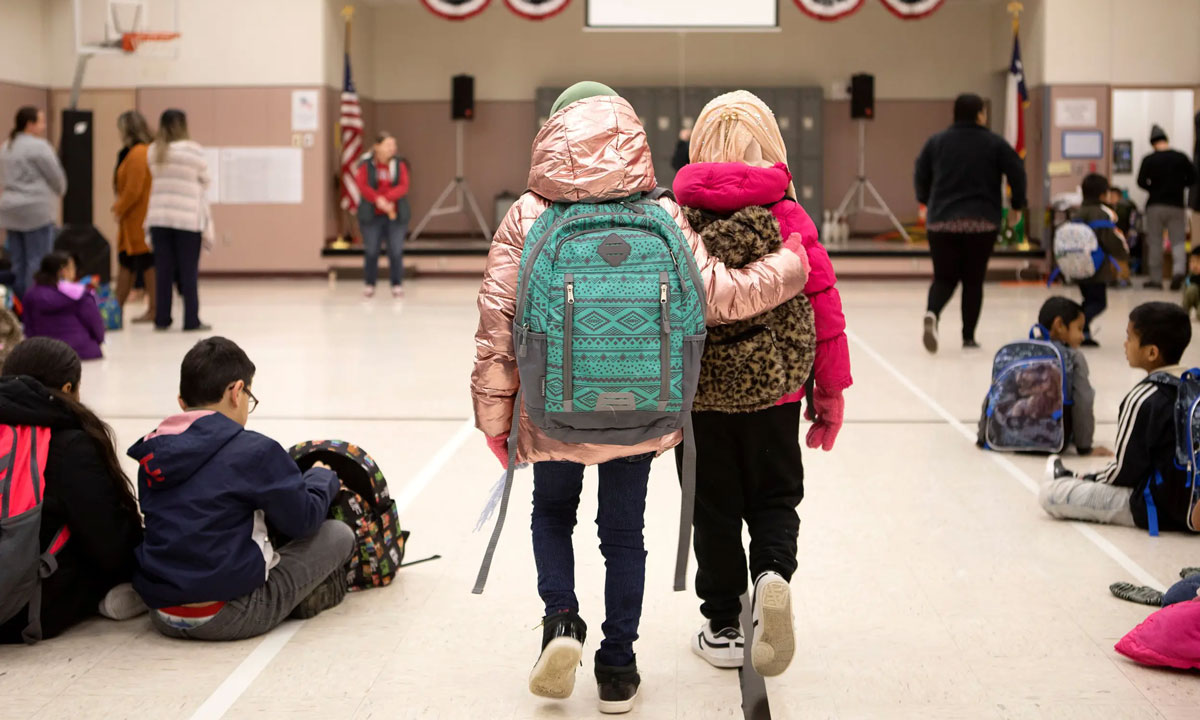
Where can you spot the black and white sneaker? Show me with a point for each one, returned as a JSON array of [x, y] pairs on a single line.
[[553, 676], [725, 648], [774, 634], [931, 332], [617, 688], [1055, 470]]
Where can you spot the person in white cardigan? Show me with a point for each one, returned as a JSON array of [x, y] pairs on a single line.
[[177, 218]]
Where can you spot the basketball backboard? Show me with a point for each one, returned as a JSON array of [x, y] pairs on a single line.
[[120, 26]]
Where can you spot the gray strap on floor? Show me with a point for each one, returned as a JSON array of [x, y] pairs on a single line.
[[687, 505], [754, 689], [486, 566]]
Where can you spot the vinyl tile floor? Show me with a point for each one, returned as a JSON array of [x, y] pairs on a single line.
[[931, 585]]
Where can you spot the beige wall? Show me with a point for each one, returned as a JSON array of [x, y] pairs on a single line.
[[938, 57], [22, 56]]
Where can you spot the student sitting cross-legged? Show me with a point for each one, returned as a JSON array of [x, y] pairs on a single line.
[[209, 490], [1142, 487]]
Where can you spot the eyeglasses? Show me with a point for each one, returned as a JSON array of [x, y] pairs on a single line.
[[253, 400]]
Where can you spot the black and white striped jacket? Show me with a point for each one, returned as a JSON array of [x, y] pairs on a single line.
[[1145, 448]]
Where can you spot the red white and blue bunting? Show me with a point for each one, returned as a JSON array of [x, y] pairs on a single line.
[[537, 9], [456, 9], [829, 9], [912, 9]]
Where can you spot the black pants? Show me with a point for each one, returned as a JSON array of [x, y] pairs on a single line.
[[748, 468], [960, 258], [1095, 300], [176, 255]]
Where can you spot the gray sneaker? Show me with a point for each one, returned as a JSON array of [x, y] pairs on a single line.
[[330, 593], [931, 332]]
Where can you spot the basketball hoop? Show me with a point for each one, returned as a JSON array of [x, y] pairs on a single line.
[[131, 40]]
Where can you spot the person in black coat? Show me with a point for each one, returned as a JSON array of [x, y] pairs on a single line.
[[958, 177], [85, 490]]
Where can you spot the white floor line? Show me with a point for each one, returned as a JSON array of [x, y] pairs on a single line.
[[244, 675], [1030, 484]]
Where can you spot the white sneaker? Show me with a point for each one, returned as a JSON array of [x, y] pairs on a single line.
[[397, 292], [774, 636], [369, 291], [931, 332], [724, 649], [122, 603]]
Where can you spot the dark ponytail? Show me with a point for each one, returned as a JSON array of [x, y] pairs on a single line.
[[54, 364], [26, 116]]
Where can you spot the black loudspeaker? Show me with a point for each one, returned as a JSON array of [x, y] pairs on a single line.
[[862, 97], [462, 97], [76, 151]]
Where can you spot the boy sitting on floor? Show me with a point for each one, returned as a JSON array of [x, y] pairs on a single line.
[[1128, 491], [208, 489]]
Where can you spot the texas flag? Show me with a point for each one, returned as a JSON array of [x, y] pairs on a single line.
[[1016, 101]]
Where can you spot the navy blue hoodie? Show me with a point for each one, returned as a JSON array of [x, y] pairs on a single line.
[[208, 489]]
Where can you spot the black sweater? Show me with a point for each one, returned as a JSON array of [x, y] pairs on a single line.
[[80, 494], [1146, 445], [1166, 175], [959, 170]]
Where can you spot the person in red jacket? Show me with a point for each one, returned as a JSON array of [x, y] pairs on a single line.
[[749, 465], [384, 212]]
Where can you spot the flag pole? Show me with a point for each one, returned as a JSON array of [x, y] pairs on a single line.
[[1015, 8], [342, 241]]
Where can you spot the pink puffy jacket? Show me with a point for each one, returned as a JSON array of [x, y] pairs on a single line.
[[728, 187]]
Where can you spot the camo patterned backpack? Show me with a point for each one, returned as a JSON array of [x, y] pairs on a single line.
[[365, 505]]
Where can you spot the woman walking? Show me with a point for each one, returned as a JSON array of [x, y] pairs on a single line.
[[131, 185], [958, 178], [384, 212], [33, 183], [177, 215]]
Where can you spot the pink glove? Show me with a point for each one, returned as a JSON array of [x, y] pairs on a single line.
[[830, 408], [795, 243], [499, 447]]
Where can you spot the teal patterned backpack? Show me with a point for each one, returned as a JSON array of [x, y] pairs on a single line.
[[608, 331]]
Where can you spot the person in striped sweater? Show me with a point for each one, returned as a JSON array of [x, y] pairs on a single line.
[[1142, 486], [177, 218]]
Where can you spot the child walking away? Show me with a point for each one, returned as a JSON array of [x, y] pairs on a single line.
[[739, 195], [89, 516], [592, 208], [1018, 405], [1191, 286], [1143, 486], [209, 489], [58, 307]]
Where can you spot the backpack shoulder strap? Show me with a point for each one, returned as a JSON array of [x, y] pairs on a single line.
[[659, 193]]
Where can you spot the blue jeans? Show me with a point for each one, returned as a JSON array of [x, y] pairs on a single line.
[[373, 236], [26, 249], [1182, 591], [622, 494]]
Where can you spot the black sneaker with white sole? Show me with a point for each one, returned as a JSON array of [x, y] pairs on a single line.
[[617, 687], [553, 676], [330, 593], [725, 648]]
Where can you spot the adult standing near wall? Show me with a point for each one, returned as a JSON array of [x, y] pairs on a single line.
[[384, 212], [1194, 201], [177, 215], [33, 184], [131, 187], [1166, 174], [958, 177]]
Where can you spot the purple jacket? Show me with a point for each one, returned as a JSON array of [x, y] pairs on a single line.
[[67, 312]]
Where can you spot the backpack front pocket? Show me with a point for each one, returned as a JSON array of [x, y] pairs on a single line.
[[531, 351], [741, 374]]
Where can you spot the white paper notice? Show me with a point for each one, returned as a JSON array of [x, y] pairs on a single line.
[[262, 175], [1075, 112], [304, 111], [213, 157]]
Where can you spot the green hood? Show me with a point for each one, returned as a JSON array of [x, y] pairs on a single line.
[[581, 91]]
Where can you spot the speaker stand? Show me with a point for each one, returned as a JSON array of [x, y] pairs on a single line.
[[461, 190], [857, 194]]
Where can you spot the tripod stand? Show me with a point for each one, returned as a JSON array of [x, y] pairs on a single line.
[[460, 188], [861, 186]]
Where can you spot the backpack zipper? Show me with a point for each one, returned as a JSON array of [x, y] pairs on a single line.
[[664, 347], [568, 344]]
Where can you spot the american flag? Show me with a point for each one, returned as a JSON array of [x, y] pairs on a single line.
[[352, 140], [1017, 100]]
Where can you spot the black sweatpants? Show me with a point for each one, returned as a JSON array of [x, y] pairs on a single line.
[[748, 467], [1095, 300], [960, 258]]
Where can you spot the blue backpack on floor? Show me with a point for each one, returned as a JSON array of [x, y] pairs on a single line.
[[1187, 450], [1030, 392]]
